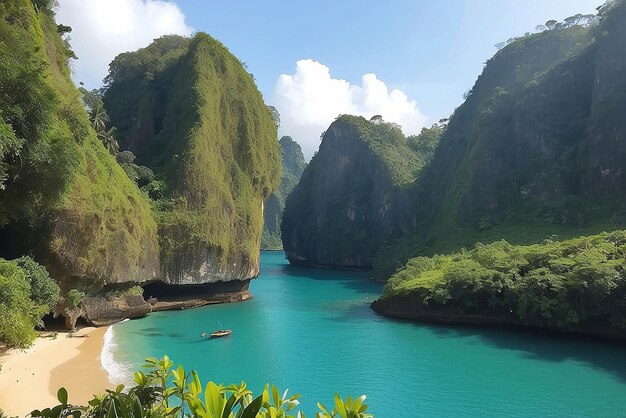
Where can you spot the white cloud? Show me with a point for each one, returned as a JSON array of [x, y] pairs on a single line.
[[101, 29], [310, 99]]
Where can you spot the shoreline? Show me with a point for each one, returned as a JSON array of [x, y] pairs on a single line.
[[490, 322], [30, 378]]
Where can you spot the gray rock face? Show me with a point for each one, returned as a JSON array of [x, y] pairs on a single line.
[[194, 265], [347, 202], [605, 143], [100, 311]]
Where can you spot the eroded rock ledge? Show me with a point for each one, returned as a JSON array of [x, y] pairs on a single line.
[[99, 310]]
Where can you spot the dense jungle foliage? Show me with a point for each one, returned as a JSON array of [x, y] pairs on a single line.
[[567, 285], [26, 294]]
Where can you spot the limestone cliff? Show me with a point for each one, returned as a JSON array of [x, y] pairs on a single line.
[[537, 149], [352, 196], [63, 198], [190, 111]]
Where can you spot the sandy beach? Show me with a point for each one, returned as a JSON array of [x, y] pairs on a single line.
[[30, 378]]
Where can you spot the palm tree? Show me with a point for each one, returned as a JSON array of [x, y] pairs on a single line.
[[98, 117], [109, 141]]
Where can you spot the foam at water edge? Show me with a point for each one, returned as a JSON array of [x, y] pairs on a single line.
[[118, 371]]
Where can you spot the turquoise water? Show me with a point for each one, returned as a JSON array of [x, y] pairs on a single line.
[[312, 331]]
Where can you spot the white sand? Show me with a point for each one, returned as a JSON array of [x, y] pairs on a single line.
[[29, 379]]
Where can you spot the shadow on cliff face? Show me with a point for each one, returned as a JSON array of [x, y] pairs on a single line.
[[541, 345]]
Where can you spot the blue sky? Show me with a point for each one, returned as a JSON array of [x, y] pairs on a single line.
[[432, 50], [314, 60]]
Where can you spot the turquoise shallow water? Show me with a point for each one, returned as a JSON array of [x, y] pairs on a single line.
[[312, 331]]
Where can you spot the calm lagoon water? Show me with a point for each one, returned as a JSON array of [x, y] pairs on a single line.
[[312, 331]]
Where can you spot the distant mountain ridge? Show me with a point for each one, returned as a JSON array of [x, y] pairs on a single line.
[[293, 165]]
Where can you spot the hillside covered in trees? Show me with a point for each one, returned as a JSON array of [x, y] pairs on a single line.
[[534, 155], [577, 285]]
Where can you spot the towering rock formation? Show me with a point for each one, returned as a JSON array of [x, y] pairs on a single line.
[[64, 197], [352, 196], [189, 110]]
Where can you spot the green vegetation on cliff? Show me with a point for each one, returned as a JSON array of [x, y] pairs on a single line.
[[386, 141], [189, 111], [574, 284], [37, 142], [293, 165], [59, 184], [536, 149]]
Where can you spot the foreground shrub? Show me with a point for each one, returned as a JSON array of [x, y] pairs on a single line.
[[75, 298], [43, 290], [171, 392], [20, 314]]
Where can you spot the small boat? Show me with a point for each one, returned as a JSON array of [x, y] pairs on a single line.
[[220, 333]]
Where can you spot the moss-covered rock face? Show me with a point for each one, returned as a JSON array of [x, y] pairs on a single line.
[[352, 196], [539, 131], [189, 110], [62, 196], [293, 167]]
